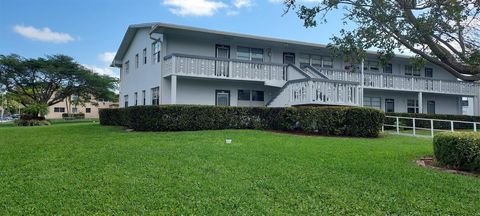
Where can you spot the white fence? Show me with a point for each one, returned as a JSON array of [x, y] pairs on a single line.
[[328, 92], [417, 128], [401, 82], [199, 66]]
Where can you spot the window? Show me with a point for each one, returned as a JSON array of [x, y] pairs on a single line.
[[412, 106], [156, 96], [304, 60], [127, 66], [136, 98], [411, 71], [156, 51], [371, 66], [257, 95], [389, 105], [59, 109], [222, 97], [244, 95], [143, 96], [74, 110], [388, 68], [125, 101], [315, 61], [374, 102], [222, 51], [428, 72], [144, 56], [250, 54], [136, 60], [88, 110], [431, 107], [250, 95]]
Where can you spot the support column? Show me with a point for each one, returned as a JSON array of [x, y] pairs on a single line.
[[173, 90], [420, 102], [362, 82], [476, 106]]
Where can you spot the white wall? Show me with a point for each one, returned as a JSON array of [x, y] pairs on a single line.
[[145, 77], [444, 104]]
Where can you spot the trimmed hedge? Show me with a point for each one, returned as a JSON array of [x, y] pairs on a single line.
[[437, 124], [73, 115], [338, 121], [460, 150]]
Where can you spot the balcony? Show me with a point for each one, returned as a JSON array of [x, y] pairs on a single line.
[[405, 83], [208, 67]]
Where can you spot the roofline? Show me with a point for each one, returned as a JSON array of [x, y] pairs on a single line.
[[156, 26]]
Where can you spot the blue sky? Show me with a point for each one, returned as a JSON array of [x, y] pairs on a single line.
[[91, 30]]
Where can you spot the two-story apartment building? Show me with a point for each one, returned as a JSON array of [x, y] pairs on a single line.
[[171, 64]]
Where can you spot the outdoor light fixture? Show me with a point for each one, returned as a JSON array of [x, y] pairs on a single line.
[[228, 141]]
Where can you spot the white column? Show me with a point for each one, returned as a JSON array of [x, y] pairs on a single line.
[[476, 106], [420, 102], [173, 91], [362, 81]]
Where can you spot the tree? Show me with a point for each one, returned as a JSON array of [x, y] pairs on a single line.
[[48, 81], [442, 32]]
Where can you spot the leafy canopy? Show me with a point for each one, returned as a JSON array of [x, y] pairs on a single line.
[[50, 80], [443, 32]]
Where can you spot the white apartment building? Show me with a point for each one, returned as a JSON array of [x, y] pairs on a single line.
[[172, 64]]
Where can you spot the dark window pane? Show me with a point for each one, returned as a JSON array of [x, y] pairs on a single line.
[[257, 96], [244, 95]]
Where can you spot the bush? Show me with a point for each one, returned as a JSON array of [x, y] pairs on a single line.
[[437, 124], [460, 150], [31, 122], [73, 115], [340, 121]]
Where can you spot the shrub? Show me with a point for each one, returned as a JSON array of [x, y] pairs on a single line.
[[340, 121], [437, 124], [31, 122], [460, 150], [73, 115], [35, 111]]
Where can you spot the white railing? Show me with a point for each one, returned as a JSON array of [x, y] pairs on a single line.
[[327, 92], [401, 82], [416, 126], [199, 66]]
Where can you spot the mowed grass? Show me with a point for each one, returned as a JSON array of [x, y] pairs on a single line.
[[86, 168]]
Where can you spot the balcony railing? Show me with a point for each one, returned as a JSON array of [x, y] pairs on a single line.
[[401, 82], [200, 66], [320, 91]]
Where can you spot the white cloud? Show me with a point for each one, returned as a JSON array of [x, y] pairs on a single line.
[[194, 7], [242, 3], [232, 13], [44, 34], [106, 57], [106, 70]]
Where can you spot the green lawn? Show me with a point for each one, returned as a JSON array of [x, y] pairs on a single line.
[[85, 168]]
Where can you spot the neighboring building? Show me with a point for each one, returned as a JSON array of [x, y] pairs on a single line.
[[171, 64], [90, 109]]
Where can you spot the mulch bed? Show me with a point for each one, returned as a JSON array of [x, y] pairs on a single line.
[[429, 162]]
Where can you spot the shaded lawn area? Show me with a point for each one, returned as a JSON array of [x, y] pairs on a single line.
[[87, 168]]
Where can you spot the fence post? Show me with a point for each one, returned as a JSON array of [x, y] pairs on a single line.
[[413, 121], [451, 126], [475, 126], [431, 127], [398, 129]]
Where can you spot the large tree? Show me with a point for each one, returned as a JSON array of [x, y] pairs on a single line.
[[443, 32], [48, 81]]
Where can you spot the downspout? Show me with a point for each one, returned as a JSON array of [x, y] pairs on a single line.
[[160, 39]]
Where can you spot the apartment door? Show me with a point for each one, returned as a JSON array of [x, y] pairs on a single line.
[[389, 105], [222, 97], [222, 52], [288, 58]]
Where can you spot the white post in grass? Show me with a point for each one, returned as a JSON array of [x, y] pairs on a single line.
[[431, 127], [398, 128], [475, 126], [413, 124], [451, 126]]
